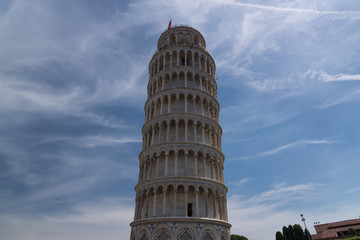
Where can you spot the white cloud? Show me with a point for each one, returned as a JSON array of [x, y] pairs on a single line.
[[106, 219], [94, 141], [354, 15], [353, 95], [283, 193], [65, 188], [325, 77], [238, 183], [292, 145]]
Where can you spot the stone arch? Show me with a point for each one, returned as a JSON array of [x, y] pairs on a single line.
[[181, 102], [191, 162], [199, 130], [159, 82], [196, 81], [186, 232], [197, 104], [203, 83], [166, 102], [174, 80], [202, 199], [181, 79], [190, 103], [160, 191], [190, 82], [173, 102], [181, 161], [207, 65], [181, 130], [191, 203], [201, 164], [162, 232], [144, 234], [150, 202], [161, 63], [202, 63], [189, 58], [191, 125], [208, 233], [224, 235], [207, 133], [180, 200], [212, 203], [181, 58], [173, 60], [167, 59], [196, 60], [161, 130], [171, 162], [169, 209]]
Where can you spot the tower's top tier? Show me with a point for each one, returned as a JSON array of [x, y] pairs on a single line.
[[181, 35]]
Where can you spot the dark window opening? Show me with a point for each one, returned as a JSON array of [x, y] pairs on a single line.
[[190, 212]]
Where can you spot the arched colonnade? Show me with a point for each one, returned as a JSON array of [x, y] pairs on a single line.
[[181, 200], [172, 102], [182, 129], [182, 57], [181, 163], [178, 79]]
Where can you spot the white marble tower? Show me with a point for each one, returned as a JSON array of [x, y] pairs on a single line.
[[181, 193]]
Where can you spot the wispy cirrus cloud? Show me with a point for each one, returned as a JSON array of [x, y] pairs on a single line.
[[238, 183], [325, 77], [291, 145], [349, 96], [283, 193], [94, 141], [268, 208], [354, 15]]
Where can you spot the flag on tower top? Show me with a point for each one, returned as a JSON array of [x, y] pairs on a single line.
[[169, 25]]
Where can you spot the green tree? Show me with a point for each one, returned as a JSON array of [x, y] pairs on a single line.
[[352, 232], [298, 232], [307, 235], [279, 236], [286, 233], [238, 237], [294, 232]]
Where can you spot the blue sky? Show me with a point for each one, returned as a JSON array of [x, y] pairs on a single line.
[[73, 77]]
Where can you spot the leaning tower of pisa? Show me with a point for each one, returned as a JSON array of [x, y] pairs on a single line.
[[181, 193]]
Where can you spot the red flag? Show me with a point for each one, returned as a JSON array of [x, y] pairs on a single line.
[[169, 25]]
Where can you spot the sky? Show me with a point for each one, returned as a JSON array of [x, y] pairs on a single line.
[[73, 77]]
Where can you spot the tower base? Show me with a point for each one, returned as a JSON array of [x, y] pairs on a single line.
[[175, 228]]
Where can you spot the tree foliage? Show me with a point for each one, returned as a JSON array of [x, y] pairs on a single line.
[[308, 235], [298, 232], [352, 232], [293, 232], [279, 236], [238, 237], [353, 238]]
